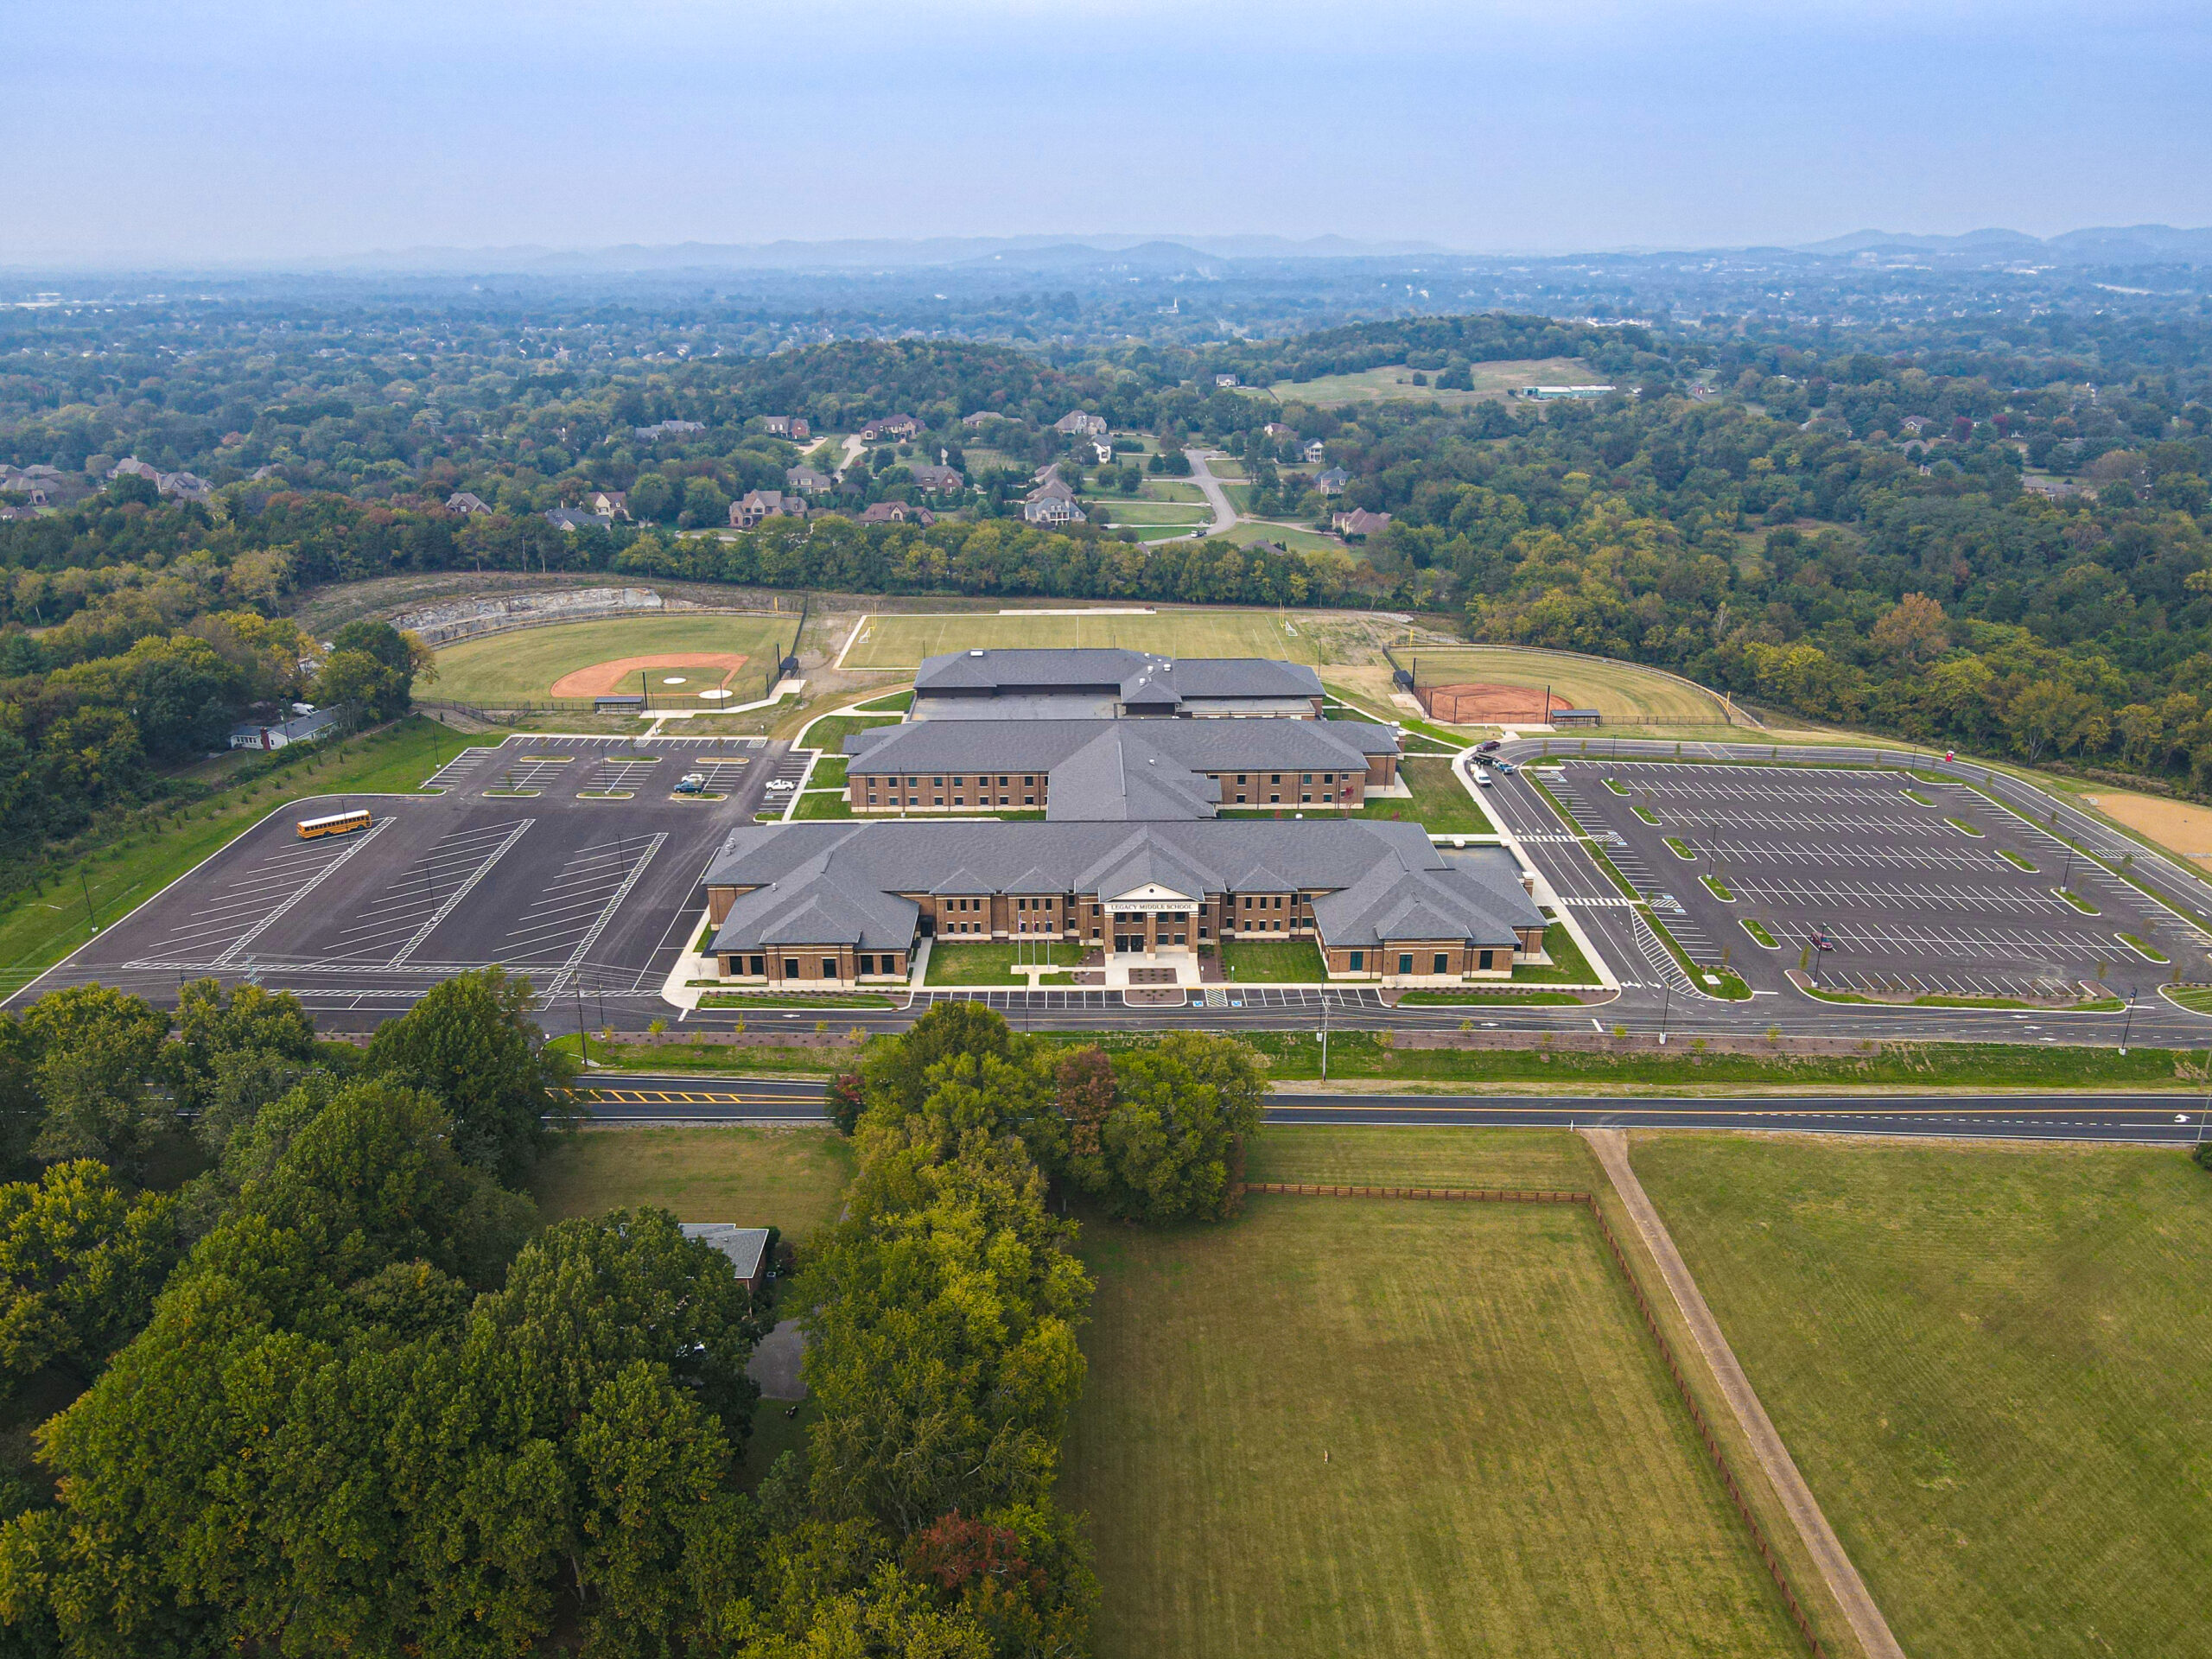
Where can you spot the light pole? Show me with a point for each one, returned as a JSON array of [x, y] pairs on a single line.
[[1324, 1036], [583, 1042]]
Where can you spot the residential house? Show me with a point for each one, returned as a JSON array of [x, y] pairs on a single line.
[[184, 486], [569, 520], [758, 504], [807, 482], [131, 466], [667, 429], [1076, 423], [466, 505], [609, 504], [938, 481], [1315, 454], [745, 1246], [1333, 482], [1103, 448], [308, 724], [1359, 522], [11, 514], [897, 512], [1052, 502], [899, 427], [1277, 430], [787, 426], [980, 417], [1224, 380]]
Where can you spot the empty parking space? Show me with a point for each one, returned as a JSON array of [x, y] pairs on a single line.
[[1871, 880], [620, 774]]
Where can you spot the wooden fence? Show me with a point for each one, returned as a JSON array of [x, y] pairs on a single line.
[[1713, 1446]]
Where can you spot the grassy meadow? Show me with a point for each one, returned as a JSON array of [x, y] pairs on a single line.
[[1994, 1365], [789, 1178], [1394, 380], [1357, 1426]]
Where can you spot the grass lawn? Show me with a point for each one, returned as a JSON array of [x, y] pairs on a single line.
[[829, 734], [1123, 510], [1568, 965], [1292, 537], [902, 640], [1267, 962], [790, 1178], [524, 663], [1394, 380], [1509, 1470], [990, 962], [1992, 1364], [757, 1061], [2197, 998], [1624, 693], [823, 804], [828, 773], [1440, 803], [38, 929]]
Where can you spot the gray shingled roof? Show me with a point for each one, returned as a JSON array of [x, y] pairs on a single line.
[[1119, 775], [1199, 744], [1373, 875], [1018, 671]]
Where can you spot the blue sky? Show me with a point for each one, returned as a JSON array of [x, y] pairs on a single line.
[[256, 130]]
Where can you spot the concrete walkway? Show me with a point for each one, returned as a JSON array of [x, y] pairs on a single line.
[[1826, 1549]]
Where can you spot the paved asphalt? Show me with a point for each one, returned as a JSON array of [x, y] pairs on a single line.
[[2168, 1119]]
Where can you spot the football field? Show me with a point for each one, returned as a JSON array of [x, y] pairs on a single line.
[[891, 641]]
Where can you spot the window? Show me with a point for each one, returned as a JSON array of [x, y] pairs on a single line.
[[912, 783], [791, 967], [1328, 777], [1029, 800], [1305, 778], [1486, 957], [1248, 901], [1443, 962], [1358, 962], [1274, 800], [1240, 778], [1406, 962], [1029, 781], [962, 783], [867, 964], [940, 800], [1307, 796], [757, 965], [871, 800], [828, 967], [1278, 904], [1275, 777], [1203, 933], [1002, 782], [936, 783], [1240, 800]]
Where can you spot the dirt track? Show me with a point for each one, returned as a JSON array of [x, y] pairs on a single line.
[[620, 673], [2181, 825]]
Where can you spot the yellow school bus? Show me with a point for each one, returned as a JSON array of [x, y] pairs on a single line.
[[338, 823]]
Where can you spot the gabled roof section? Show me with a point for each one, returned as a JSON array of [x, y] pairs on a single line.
[[1119, 775]]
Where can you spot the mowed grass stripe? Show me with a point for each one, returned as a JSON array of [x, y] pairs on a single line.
[[1992, 1364], [1509, 1470]]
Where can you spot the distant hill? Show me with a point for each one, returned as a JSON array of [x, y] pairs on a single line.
[[2132, 244]]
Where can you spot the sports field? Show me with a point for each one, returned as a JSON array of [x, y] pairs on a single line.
[[1992, 1364], [523, 665], [1395, 380], [1623, 692], [1359, 1426], [901, 641]]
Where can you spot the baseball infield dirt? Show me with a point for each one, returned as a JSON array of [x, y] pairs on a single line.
[[709, 668]]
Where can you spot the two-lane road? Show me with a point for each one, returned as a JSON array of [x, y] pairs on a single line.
[[2167, 1119]]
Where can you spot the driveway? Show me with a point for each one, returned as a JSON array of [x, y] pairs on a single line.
[[1224, 516]]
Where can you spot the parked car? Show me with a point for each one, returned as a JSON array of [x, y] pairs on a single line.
[[1482, 777], [781, 783], [1487, 746], [1507, 767], [691, 783]]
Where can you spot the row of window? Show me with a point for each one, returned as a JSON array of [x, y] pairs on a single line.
[[794, 967]]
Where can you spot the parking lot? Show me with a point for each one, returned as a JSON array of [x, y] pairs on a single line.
[[572, 859], [1914, 888]]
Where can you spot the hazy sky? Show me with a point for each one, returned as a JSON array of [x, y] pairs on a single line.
[[255, 129]]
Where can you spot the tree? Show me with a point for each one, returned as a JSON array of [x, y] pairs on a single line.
[[79, 1264], [471, 1043], [372, 668], [1087, 1090], [895, 1073], [97, 1048], [1175, 1137], [1910, 633], [237, 1050]]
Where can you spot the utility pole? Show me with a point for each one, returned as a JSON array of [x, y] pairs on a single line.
[[90, 915], [2128, 1025], [1666, 1003], [1324, 1036], [583, 1042]]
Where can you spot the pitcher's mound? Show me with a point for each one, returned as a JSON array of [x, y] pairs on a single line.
[[620, 674], [1483, 704]]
